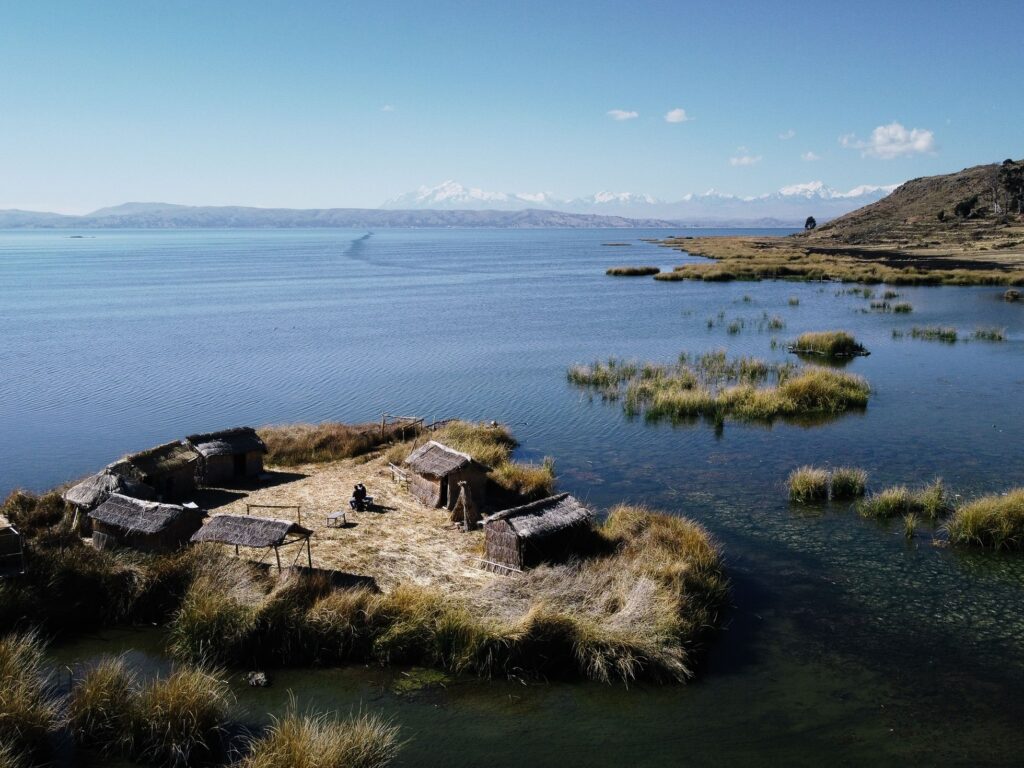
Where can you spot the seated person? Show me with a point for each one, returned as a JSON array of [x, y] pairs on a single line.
[[358, 500]]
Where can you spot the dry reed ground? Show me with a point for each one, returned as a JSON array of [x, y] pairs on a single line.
[[406, 543]]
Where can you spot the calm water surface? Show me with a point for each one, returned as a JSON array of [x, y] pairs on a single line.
[[847, 642]]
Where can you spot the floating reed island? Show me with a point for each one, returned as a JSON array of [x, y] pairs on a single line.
[[464, 560], [714, 387]]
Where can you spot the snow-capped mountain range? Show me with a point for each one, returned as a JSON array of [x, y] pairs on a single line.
[[790, 204]]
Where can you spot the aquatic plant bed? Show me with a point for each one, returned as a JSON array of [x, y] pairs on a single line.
[[714, 387], [832, 344], [995, 522], [632, 271]]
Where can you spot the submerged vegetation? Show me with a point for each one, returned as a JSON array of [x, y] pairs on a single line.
[[995, 522], [827, 344], [989, 334], [810, 484], [715, 387], [632, 271]]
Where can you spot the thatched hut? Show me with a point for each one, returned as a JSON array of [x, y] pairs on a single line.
[[169, 469], [229, 455], [144, 525], [435, 471], [258, 532], [11, 557], [95, 489], [548, 530]]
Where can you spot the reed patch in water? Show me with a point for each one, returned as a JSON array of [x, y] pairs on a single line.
[[989, 334], [896, 501], [995, 522], [827, 344], [29, 712], [934, 333], [632, 271], [808, 484]]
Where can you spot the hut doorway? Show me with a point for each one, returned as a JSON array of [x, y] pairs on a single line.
[[443, 501], [239, 464]]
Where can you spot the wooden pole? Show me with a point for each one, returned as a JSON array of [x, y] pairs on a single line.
[[309, 554], [277, 554]]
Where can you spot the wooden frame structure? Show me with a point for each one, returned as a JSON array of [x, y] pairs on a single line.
[[258, 533]]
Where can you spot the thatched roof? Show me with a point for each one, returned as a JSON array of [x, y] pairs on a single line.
[[247, 531], [136, 515], [548, 515], [4, 523], [95, 489], [227, 442], [168, 457], [436, 459]]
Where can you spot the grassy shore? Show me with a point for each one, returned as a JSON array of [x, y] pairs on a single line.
[[29, 714], [713, 387], [786, 258]]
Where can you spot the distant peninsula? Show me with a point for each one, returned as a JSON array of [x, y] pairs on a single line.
[[169, 216]]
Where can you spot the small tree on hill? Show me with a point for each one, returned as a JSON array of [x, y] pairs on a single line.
[[1011, 177], [810, 223]]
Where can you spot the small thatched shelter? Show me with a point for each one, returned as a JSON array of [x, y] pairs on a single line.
[[435, 471], [11, 553], [258, 532], [96, 489], [144, 525], [229, 455], [548, 530], [169, 469]]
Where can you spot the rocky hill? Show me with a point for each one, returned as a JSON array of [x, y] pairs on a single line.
[[977, 208]]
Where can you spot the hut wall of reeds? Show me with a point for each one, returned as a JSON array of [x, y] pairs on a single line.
[[435, 471], [169, 469], [227, 456], [548, 530], [147, 526]]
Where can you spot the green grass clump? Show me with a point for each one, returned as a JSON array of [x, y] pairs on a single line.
[[880, 306], [808, 484], [847, 482], [322, 741], [989, 334], [890, 294], [28, 711], [101, 710], [910, 523], [632, 271], [995, 522], [828, 344], [530, 481], [929, 502], [934, 333], [902, 308]]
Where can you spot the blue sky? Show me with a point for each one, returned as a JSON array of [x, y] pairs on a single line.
[[308, 104]]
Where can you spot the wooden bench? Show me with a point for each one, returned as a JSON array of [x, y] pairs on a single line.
[[337, 519]]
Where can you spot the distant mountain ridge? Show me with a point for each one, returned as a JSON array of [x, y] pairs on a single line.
[[170, 216], [789, 205]]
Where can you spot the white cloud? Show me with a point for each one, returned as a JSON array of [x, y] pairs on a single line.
[[622, 114], [809, 157], [387, 108], [744, 160], [892, 140], [787, 135], [677, 115]]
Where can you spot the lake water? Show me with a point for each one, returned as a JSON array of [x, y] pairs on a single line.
[[847, 642]]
